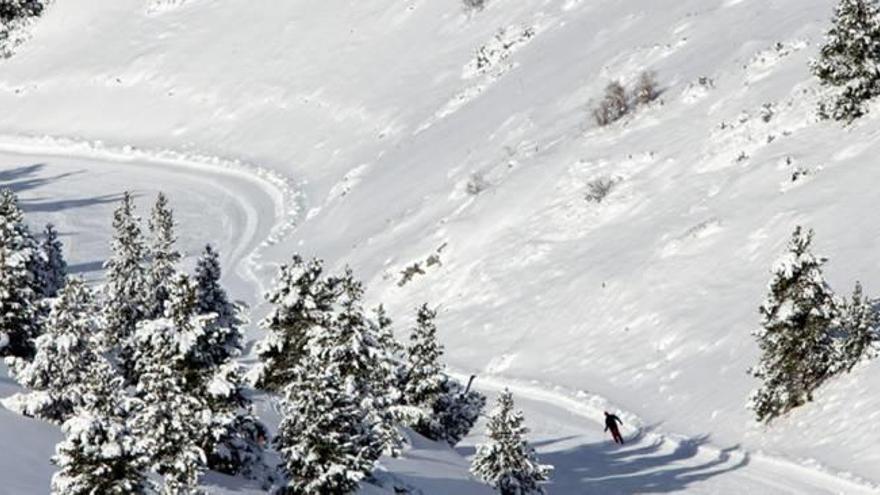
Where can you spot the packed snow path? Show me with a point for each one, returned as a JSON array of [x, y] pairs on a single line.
[[567, 430]]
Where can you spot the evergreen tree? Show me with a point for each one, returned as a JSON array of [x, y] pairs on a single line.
[[336, 411], [15, 9], [446, 412], [859, 324], [796, 336], [849, 59], [170, 422], [19, 300], [163, 257], [423, 383], [51, 267], [124, 304], [507, 462], [223, 430], [64, 355], [224, 339], [353, 344], [100, 453], [327, 440], [303, 299]]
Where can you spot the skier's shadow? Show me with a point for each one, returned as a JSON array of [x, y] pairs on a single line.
[[646, 464]]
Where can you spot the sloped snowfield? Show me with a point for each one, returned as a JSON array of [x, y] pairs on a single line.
[[372, 133]]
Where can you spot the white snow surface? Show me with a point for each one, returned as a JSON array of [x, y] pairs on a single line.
[[350, 131]]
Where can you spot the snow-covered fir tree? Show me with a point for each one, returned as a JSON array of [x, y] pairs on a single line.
[[15, 9], [169, 421], [303, 298], [355, 346], [51, 267], [849, 60], [172, 419], [224, 339], [124, 304], [860, 326], [796, 335], [446, 412], [336, 410], [163, 257], [19, 300], [507, 462], [423, 381], [454, 413], [100, 452], [206, 382], [328, 441], [65, 353]]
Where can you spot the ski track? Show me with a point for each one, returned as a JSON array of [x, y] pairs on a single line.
[[771, 472], [282, 190]]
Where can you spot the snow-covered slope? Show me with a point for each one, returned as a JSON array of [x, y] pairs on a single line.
[[377, 112]]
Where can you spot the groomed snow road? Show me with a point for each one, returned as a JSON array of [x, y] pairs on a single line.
[[77, 188], [567, 430]]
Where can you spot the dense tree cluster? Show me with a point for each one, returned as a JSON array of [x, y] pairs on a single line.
[[143, 373]]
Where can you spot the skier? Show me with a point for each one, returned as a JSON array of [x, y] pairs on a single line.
[[611, 422]]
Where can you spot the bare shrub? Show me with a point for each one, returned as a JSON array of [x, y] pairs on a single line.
[[613, 106], [477, 184], [647, 89], [474, 5], [599, 189]]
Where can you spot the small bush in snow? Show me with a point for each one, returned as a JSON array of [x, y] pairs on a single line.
[[477, 184], [599, 189], [647, 89], [613, 106], [474, 5]]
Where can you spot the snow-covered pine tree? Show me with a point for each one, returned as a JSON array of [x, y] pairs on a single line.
[[328, 441], [303, 298], [354, 345], [336, 416], [454, 413], [235, 444], [19, 300], [163, 257], [124, 304], [507, 462], [860, 326], [446, 412], [850, 59], [15, 9], [100, 453], [424, 376], [65, 353], [796, 335], [170, 421], [51, 266], [224, 339], [229, 434], [173, 419]]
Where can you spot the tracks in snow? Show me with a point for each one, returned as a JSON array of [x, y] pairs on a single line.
[[652, 460], [247, 251]]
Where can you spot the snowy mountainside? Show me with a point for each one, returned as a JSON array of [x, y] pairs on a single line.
[[386, 113]]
